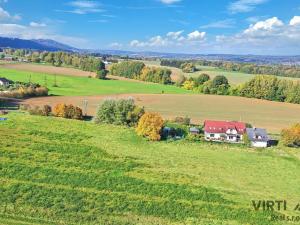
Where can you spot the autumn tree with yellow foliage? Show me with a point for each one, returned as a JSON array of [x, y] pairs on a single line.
[[150, 126], [291, 137]]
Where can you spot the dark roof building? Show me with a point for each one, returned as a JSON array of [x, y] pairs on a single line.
[[258, 137], [4, 81]]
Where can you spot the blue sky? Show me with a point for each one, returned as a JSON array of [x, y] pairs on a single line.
[[188, 26]]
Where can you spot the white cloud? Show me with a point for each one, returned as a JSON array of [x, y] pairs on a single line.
[[83, 7], [169, 2], [266, 25], [175, 35], [227, 23], [5, 16], [170, 40], [242, 6], [196, 36], [271, 36], [295, 21], [35, 24]]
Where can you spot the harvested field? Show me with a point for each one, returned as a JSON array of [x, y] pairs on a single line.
[[272, 115], [47, 69]]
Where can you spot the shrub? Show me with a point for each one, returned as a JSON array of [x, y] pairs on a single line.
[[150, 126], [291, 137], [68, 111], [201, 79], [45, 110], [189, 85], [194, 137], [101, 74], [220, 80], [188, 67], [183, 120], [59, 110], [119, 112]]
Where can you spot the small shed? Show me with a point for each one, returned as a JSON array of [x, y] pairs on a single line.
[[194, 131], [258, 137]]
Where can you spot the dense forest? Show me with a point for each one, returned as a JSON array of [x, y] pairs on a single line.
[[277, 70], [139, 71]]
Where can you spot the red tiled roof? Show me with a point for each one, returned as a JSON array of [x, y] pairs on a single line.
[[211, 126]]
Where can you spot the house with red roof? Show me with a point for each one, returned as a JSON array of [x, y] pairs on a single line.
[[224, 131]]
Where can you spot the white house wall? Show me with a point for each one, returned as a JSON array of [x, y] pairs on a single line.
[[259, 144]]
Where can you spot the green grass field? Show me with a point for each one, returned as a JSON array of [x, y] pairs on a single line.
[[75, 172], [233, 77], [83, 86]]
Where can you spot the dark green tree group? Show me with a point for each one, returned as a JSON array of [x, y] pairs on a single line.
[[119, 112], [139, 71]]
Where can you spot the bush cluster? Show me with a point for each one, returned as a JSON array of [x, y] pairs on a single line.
[[182, 120], [291, 137], [188, 67], [219, 85], [25, 92], [119, 112], [68, 111]]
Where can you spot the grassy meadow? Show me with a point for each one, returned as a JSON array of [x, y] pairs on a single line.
[[84, 86], [76, 172], [234, 78]]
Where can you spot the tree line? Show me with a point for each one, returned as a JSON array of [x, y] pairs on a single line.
[[265, 87], [83, 62], [139, 71], [277, 70]]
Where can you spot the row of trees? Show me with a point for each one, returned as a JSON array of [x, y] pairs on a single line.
[[277, 70], [60, 110], [261, 87], [139, 71], [270, 88], [83, 62]]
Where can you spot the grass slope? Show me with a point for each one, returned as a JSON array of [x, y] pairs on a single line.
[[75, 172], [79, 86]]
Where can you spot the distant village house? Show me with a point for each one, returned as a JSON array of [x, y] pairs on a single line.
[[4, 82], [258, 137], [222, 131]]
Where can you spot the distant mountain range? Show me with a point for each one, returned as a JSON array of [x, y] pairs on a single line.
[[50, 45], [37, 44]]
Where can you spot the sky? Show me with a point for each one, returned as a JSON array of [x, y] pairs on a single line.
[[262, 27]]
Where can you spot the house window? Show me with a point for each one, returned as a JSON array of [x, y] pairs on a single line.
[[231, 137], [212, 135]]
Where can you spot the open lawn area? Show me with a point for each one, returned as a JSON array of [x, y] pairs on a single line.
[[76, 172], [78, 86]]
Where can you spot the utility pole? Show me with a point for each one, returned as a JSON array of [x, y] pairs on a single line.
[[85, 105]]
